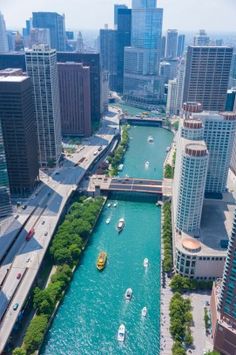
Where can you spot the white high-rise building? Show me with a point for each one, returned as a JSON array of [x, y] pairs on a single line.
[[41, 65], [3, 35], [219, 133], [171, 106]]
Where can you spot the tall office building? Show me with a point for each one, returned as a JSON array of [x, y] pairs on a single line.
[[19, 132], [117, 8], [171, 43], [171, 106], [141, 63], [163, 47], [5, 203], [232, 81], [39, 36], [207, 75], [75, 102], [41, 64], [180, 84], [56, 24], [181, 45], [201, 39], [123, 40], [190, 177], [108, 53], [3, 35], [219, 133], [223, 302]]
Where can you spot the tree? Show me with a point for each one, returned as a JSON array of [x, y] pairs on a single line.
[[19, 351], [35, 333], [188, 339], [177, 349]]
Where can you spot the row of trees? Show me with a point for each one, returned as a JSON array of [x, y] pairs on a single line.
[[167, 237], [66, 249], [169, 172], [119, 153], [184, 284], [180, 322]]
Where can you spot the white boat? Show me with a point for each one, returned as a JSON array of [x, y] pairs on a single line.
[[128, 294], [115, 204], [144, 312], [108, 220], [159, 203], [120, 224], [109, 205], [120, 167], [147, 164], [145, 262], [121, 333], [150, 139], [167, 149]]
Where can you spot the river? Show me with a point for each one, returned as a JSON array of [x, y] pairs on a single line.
[[94, 306]]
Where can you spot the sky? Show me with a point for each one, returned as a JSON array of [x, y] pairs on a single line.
[[185, 15]]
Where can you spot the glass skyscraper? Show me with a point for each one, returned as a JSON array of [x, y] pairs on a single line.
[[141, 60], [5, 205]]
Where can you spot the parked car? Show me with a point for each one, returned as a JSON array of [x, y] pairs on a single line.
[[16, 305], [18, 276]]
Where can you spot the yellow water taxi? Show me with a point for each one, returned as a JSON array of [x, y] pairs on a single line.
[[101, 261]]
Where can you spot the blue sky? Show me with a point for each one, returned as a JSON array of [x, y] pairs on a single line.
[[185, 15]]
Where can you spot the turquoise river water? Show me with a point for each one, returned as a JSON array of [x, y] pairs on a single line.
[[94, 306]]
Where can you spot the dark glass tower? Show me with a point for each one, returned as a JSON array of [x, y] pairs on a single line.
[[5, 204]]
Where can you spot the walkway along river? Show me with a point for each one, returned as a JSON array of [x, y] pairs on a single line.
[[94, 306]]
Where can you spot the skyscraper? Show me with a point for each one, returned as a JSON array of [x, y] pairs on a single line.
[[19, 132], [123, 40], [108, 53], [171, 106], [5, 204], [39, 36], [141, 63], [207, 75], [75, 102], [171, 43], [201, 39], [117, 7], [41, 64], [181, 45], [56, 24], [219, 133], [163, 47], [223, 302], [3, 35]]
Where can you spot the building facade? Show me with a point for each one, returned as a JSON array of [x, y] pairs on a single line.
[[142, 58], [171, 43], [39, 36], [3, 35], [5, 203], [181, 45], [56, 24], [19, 133], [117, 8], [75, 101], [201, 39], [41, 63], [171, 106], [207, 76], [108, 54]]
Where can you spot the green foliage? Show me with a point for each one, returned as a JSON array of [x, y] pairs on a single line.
[[180, 321], [212, 353], [169, 172], [206, 319], [182, 284], [176, 125], [35, 333], [19, 351], [167, 238], [119, 153]]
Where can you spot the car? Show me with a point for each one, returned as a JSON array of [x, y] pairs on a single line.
[[18, 276], [57, 173], [24, 207], [17, 216], [43, 222], [46, 233], [28, 260], [16, 305]]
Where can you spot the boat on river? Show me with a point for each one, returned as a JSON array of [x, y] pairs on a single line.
[[120, 225], [168, 149], [128, 294], [108, 220], [147, 163], [121, 333], [109, 205], [115, 204], [101, 261], [159, 203], [150, 139], [146, 262], [144, 312]]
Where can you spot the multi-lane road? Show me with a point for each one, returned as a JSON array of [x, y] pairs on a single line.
[[21, 258]]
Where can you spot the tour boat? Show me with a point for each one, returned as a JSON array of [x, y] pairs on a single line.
[[121, 333], [147, 164], [150, 139], [159, 203], [101, 261], [115, 204], [145, 262], [108, 220], [144, 312], [120, 167], [128, 294], [121, 224], [167, 149], [109, 205]]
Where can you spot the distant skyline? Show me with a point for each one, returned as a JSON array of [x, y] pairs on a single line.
[[185, 15]]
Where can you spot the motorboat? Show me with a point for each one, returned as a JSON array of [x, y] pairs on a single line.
[[145, 262], [101, 260], [128, 294], [159, 203], [150, 139], [147, 163], [120, 167], [109, 205], [115, 204], [167, 149], [121, 333], [108, 220], [144, 312], [120, 224]]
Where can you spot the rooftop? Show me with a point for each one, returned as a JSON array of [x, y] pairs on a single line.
[[12, 79]]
